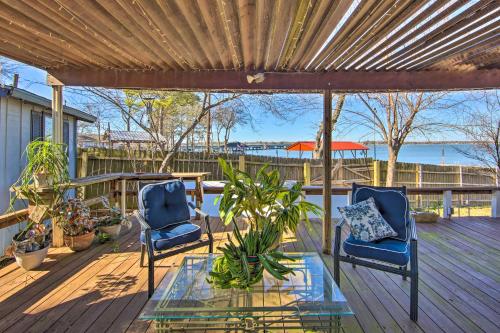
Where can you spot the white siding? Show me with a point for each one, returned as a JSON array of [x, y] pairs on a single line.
[[15, 134]]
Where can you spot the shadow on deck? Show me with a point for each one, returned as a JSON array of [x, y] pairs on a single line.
[[99, 290]]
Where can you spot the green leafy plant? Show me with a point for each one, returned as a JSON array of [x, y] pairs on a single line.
[[271, 209], [46, 166], [112, 216], [246, 258], [103, 237], [265, 198]]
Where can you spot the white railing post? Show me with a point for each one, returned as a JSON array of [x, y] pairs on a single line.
[[495, 204], [123, 197], [447, 204]]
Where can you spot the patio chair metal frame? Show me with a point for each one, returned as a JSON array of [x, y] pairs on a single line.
[[152, 257], [399, 270]]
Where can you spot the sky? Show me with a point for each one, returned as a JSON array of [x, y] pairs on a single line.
[[266, 126]]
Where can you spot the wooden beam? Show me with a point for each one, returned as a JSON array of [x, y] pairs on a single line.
[[327, 171], [280, 81], [57, 137]]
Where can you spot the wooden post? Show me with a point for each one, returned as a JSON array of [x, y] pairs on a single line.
[[418, 182], [209, 127], [57, 137], [82, 171], [307, 173], [447, 204], [376, 173], [495, 204], [123, 197], [327, 171], [241, 163]]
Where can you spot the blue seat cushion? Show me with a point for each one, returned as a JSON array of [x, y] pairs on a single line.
[[164, 204], [391, 202], [173, 235], [387, 250]]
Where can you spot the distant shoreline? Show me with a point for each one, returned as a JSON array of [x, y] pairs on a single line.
[[371, 142], [425, 142]]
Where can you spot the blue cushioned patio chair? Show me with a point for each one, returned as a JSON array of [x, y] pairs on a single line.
[[166, 227], [392, 254]]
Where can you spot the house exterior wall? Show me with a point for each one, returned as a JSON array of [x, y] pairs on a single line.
[[15, 134]]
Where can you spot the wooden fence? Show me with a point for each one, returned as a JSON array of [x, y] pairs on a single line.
[[95, 161]]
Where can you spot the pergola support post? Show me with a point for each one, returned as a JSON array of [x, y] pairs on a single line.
[[57, 137], [327, 174]]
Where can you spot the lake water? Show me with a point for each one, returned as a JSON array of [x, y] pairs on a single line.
[[412, 153]]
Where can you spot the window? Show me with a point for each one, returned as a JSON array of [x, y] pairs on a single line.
[[36, 125]]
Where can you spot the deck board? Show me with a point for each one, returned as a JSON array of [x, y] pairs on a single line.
[[99, 290]]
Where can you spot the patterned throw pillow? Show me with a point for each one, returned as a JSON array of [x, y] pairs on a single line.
[[366, 222]]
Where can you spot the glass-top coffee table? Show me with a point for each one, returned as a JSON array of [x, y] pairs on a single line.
[[309, 301]]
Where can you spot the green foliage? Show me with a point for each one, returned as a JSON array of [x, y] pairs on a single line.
[[263, 199], [47, 159], [42, 158], [246, 258]]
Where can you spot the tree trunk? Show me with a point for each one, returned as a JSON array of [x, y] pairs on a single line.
[[168, 158], [391, 166]]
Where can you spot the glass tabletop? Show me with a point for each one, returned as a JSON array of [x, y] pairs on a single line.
[[311, 292]]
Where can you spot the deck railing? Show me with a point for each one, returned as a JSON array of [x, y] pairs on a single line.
[[123, 186]]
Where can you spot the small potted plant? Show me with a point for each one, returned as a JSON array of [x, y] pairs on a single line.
[[77, 224], [30, 246], [111, 223]]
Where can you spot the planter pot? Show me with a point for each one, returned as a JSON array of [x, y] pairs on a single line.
[[112, 230], [425, 217], [79, 243], [31, 260], [43, 180]]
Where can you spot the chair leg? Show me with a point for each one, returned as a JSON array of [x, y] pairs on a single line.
[[336, 257], [143, 252], [405, 272], [151, 277], [414, 281]]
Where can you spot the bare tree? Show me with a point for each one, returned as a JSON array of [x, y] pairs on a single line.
[[397, 115], [481, 126], [225, 119], [318, 147], [185, 110]]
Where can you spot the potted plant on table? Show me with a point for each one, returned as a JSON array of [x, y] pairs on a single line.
[[77, 224], [41, 183], [270, 209]]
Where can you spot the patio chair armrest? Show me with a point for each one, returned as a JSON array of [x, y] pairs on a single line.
[[197, 210], [203, 215], [144, 225], [340, 224], [413, 229]]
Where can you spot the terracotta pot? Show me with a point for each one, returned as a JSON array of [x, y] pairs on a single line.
[[31, 260], [112, 230], [79, 243]]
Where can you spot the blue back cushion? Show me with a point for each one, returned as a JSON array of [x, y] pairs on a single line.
[[391, 202], [164, 204]]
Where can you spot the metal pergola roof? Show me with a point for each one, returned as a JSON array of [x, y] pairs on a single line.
[[296, 44]]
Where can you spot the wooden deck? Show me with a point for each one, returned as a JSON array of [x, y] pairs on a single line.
[[100, 290]]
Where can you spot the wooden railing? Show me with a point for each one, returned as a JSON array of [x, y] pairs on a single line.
[[119, 191]]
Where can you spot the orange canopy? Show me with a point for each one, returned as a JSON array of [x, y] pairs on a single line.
[[336, 146]]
